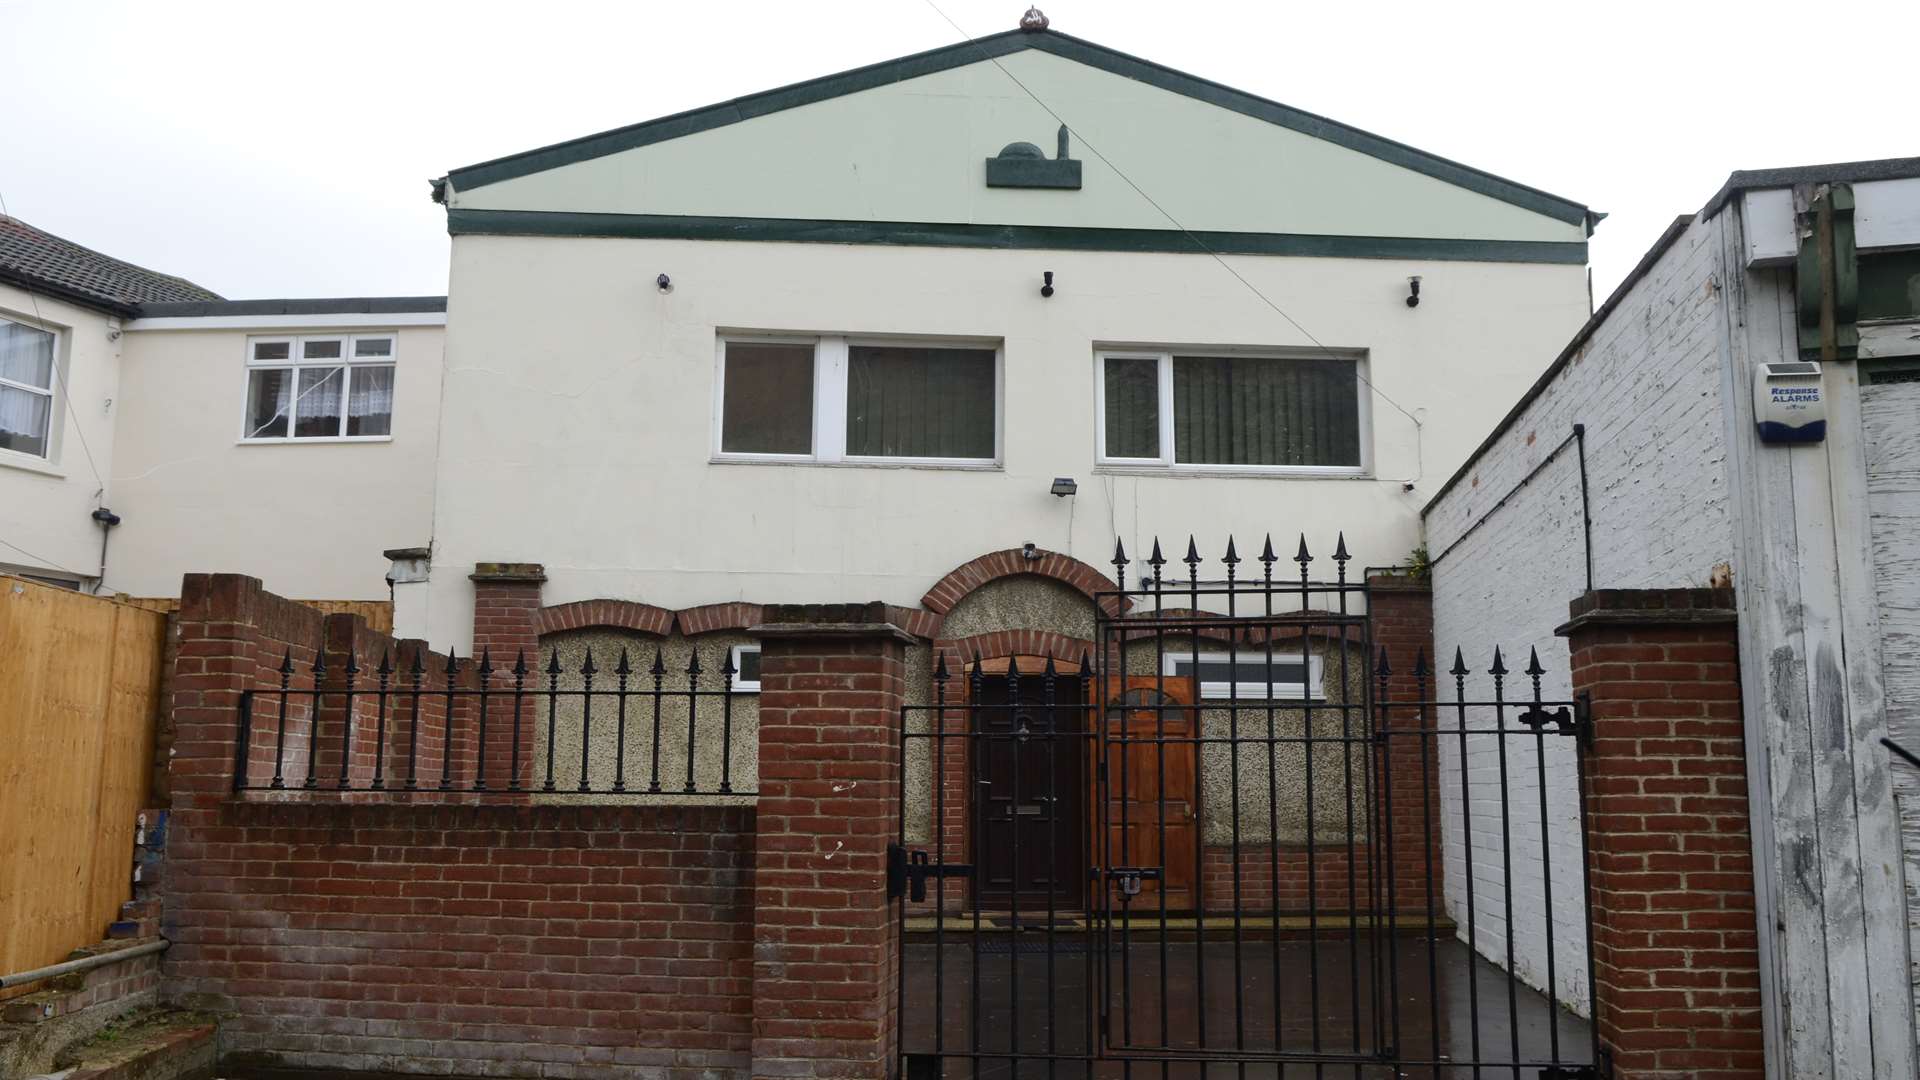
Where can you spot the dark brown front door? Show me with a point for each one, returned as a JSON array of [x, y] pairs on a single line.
[[1152, 789], [1029, 829]]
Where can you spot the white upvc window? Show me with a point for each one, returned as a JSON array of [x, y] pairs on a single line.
[[1284, 412], [746, 668], [322, 387], [28, 356], [1249, 674], [836, 399]]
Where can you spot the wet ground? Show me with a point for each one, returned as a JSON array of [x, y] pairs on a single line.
[[1264, 1010]]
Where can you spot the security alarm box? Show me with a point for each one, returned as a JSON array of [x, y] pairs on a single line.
[[1789, 404]]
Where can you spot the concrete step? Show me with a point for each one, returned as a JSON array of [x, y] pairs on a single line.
[[161, 1044]]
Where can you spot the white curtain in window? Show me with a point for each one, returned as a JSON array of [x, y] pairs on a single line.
[[26, 358], [370, 402], [316, 407], [23, 420], [26, 355], [269, 396]]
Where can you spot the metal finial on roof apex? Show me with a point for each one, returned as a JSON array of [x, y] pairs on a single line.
[[1034, 20]]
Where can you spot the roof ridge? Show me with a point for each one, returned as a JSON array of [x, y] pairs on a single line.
[[754, 96], [991, 47]]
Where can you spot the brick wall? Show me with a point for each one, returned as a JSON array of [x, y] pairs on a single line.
[[832, 680], [128, 984], [1676, 962], [496, 940], [451, 932], [1401, 616], [506, 628]]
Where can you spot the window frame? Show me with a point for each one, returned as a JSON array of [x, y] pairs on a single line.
[[831, 354], [1313, 690], [43, 575], [743, 686], [56, 379], [296, 362], [1166, 463]]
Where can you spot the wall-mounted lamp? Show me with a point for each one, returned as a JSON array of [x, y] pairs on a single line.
[[1063, 486], [1046, 280], [663, 283], [106, 519], [1413, 291], [1029, 552]]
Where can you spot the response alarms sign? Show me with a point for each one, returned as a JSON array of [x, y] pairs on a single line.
[[1789, 405]]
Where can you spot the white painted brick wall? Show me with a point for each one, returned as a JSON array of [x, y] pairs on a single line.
[[1647, 387]]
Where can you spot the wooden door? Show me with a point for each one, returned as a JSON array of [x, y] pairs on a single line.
[[1030, 838], [1152, 811]]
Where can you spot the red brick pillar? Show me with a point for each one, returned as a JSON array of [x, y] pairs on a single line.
[[506, 609], [1676, 960], [832, 680], [233, 637], [1400, 618]]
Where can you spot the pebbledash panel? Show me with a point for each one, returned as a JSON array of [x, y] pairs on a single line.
[[1211, 845]]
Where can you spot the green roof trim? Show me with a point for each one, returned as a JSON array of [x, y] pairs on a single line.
[[969, 52], [1048, 237]]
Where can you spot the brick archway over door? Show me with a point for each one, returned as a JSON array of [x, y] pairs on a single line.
[[993, 566]]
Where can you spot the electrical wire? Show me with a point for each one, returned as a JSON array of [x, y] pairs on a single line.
[[48, 563], [1082, 140]]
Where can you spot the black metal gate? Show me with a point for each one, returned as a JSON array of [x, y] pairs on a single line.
[[1222, 838]]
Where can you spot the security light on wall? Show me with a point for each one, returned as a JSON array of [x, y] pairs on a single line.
[[1063, 486]]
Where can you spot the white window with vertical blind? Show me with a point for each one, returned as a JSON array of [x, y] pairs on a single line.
[[27, 358], [1288, 413], [854, 400], [1252, 674], [332, 387]]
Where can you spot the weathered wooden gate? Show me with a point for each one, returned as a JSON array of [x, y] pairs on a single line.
[[1217, 840]]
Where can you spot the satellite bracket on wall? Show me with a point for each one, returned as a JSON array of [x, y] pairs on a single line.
[[1827, 273], [1024, 165]]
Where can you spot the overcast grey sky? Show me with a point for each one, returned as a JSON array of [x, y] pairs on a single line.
[[283, 149]]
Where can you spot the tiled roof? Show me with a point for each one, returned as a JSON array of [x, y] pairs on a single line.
[[40, 260]]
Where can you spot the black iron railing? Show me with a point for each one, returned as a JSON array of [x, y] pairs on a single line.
[[1239, 830], [474, 726]]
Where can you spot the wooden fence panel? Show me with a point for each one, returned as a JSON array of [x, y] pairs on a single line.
[[79, 698], [378, 613]]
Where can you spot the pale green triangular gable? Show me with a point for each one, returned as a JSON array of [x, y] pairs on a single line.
[[906, 144]]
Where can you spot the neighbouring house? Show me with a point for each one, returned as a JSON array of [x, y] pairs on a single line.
[[149, 428], [1741, 412]]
